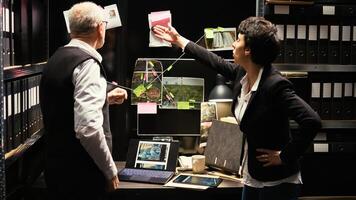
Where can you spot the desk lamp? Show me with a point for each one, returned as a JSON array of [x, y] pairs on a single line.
[[222, 95]]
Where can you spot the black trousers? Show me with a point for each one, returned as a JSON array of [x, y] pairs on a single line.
[[284, 191], [68, 181]]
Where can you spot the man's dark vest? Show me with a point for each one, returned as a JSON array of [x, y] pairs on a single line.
[[57, 105]]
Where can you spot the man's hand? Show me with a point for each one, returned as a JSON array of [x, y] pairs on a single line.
[[113, 184], [117, 96], [269, 157]]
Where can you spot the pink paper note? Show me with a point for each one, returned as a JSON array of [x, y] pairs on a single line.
[[162, 18], [147, 108]]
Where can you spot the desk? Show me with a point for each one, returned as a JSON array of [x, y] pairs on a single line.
[[131, 190]]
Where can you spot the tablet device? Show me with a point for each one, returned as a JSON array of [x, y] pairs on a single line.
[[198, 180]]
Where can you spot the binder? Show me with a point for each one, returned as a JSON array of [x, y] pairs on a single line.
[[281, 36], [353, 45], [36, 103], [6, 15], [345, 11], [346, 45], [40, 118], [312, 44], [24, 110], [315, 101], [10, 117], [323, 44], [12, 35], [6, 51], [5, 109], [337, 107], [290, 44], [326, 100], [31, 111], [354, 100], [312, 11], [348, 101], [301, 43], [281, 9], [328, 10], [334, 45], [17, 113], [3, 17]]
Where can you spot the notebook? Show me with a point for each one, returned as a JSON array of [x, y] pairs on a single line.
[[224, 145], [150, 161]]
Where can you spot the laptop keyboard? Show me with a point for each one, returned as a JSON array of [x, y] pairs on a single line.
[[145, 175]]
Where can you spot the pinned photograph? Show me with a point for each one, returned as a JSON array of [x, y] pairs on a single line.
[[112, 15]]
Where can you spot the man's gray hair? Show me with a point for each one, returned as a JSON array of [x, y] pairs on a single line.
[[84, 17]]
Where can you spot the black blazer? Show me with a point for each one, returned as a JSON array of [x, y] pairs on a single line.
[[266, 119]]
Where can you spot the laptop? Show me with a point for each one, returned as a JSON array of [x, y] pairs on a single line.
[[150, 161], [224, 146]]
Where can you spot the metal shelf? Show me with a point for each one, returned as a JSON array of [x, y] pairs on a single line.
[[16, 153], [331, 124], [314, 67], [23, 71], [289, 2]]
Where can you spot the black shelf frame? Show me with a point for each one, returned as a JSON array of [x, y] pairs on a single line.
[[330, 125], [314, 67]]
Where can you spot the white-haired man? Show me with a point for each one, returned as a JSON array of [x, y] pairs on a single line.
[[74, 102]]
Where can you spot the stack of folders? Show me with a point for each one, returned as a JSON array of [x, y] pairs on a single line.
[[334, 99], [219, 38], [318, 41], [22, 113]]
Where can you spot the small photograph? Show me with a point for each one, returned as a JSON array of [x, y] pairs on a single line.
[[150, 166], [152, 152], [112, 14], [208, 111]]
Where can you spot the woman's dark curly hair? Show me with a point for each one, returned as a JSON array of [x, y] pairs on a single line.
[[261, 37]]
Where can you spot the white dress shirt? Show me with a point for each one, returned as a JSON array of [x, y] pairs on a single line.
[[90, 97]]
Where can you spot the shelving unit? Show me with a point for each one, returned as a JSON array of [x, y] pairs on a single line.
[[25, 51], [2, 153], [318, 39]]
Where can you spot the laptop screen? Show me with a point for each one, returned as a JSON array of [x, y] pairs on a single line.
[[152, 155], [148, 154]]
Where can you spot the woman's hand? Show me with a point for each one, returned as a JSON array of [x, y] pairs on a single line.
[[269, 157], [168, 34]]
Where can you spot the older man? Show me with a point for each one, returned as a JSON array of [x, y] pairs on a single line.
[[74, 103]]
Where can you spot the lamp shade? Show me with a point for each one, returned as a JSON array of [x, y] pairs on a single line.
[[221, 92]]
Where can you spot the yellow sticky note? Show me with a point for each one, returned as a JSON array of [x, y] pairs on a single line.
[[209, 33], [151, 63], [170, 67], [220, 29], [139, 90], [183, 105]]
